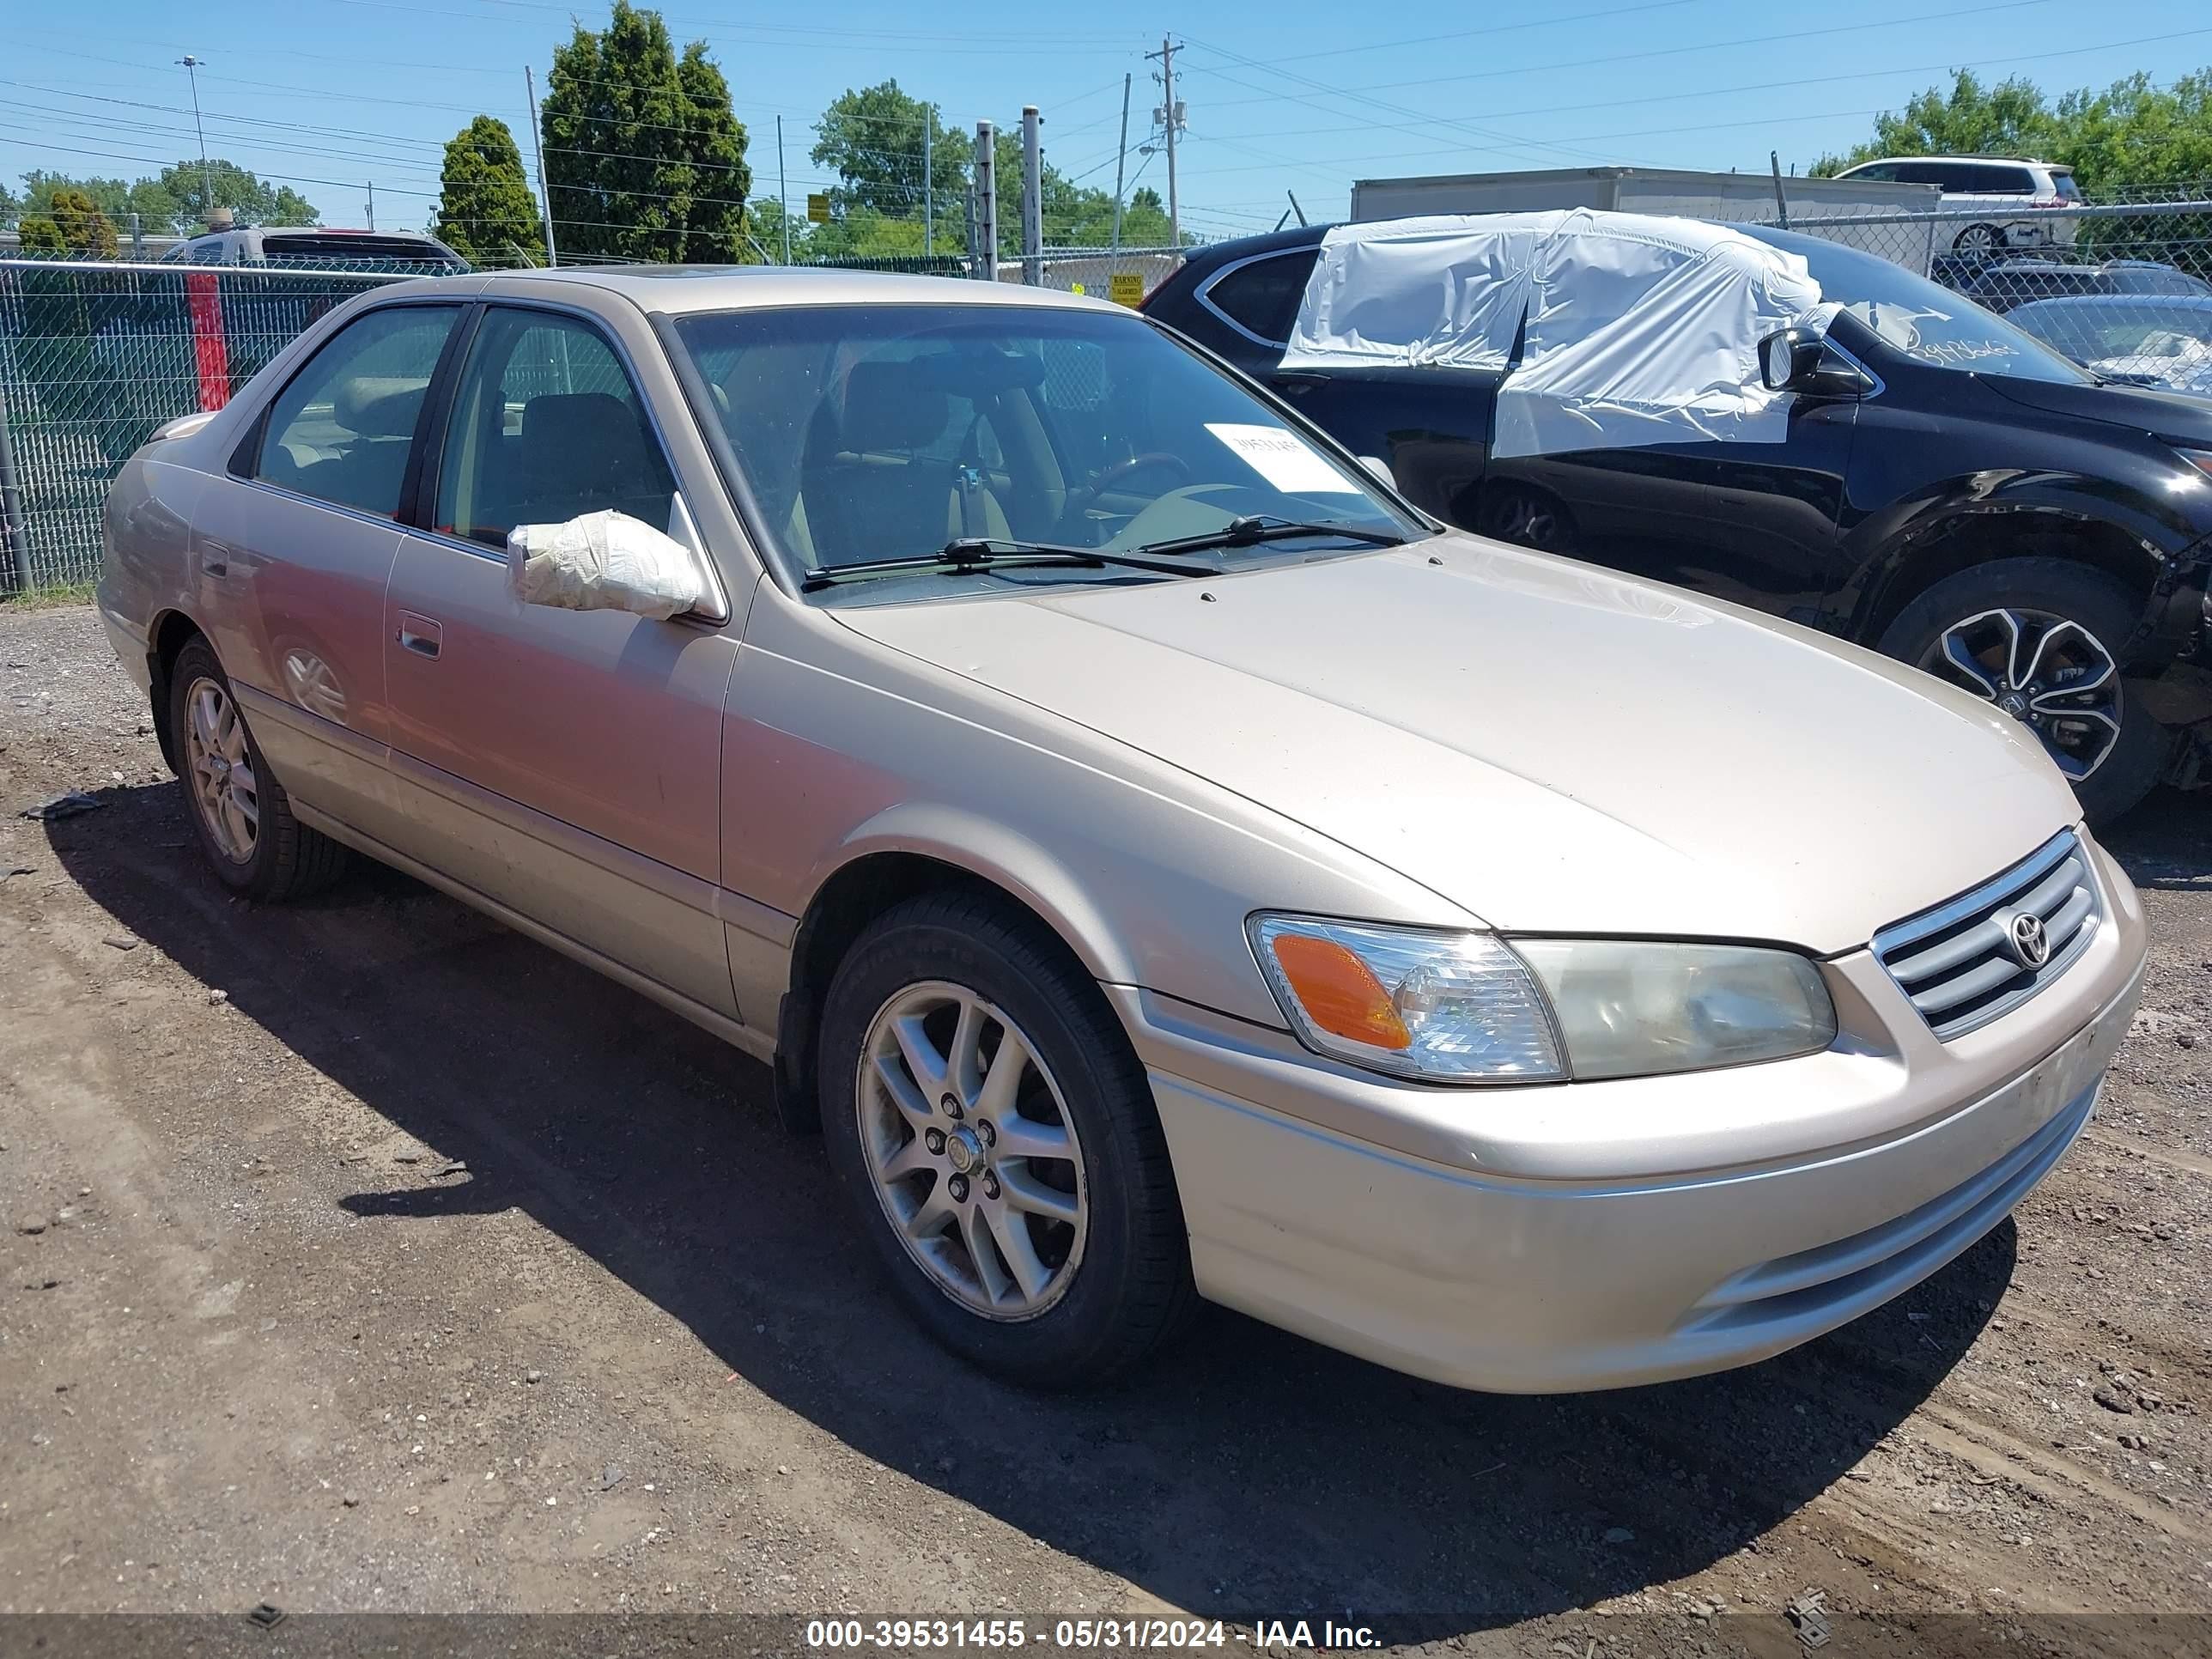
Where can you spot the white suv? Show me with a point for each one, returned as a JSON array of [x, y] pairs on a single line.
[[1996, 184]]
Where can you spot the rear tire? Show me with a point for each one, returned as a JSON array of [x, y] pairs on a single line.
[[239, 813], [1983, 629], [1045, 1245], [1980, 241]]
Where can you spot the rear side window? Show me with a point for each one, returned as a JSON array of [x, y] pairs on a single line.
[[1979, 179], [547, 426], [341, 431], [1261, 296]]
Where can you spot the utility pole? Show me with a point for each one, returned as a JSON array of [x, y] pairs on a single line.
[[783, 189], [987, 200], [928, 199], [372, 204], [192, 67], [537, 144], [1121, 161], [1032, 197], [1172, 118]]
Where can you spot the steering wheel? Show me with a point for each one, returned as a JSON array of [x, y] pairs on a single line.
[[1086, 495]]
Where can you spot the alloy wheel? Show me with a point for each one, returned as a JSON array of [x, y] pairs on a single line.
[[221, 768], [2045, 671], [972, 1150], [1977, 240]]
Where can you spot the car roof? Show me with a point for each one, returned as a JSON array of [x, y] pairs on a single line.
[[1214, 255], [678, 289], [2013, 160]]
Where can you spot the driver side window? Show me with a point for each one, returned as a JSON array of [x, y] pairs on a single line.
[[547, 426]]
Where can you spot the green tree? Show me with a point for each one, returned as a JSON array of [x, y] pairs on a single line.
[[40, 235], [644, 157], [197, 189], [872, 139], [486, 213], [2131, 135], [85, 230]]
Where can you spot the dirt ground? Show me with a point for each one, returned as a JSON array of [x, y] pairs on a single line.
[[365, 1256]]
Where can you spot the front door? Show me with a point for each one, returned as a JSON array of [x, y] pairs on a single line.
[[565, 763]]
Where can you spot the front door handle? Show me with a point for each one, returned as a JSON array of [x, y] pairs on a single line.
[[420, 635]]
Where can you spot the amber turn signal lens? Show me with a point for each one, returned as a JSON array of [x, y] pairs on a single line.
[[1339, 992]]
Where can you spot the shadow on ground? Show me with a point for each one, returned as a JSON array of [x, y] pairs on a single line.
[[1249, 1472]]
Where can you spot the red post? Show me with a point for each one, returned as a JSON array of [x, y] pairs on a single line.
[[211, 352]]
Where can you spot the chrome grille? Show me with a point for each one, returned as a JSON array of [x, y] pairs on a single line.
[[1959, 963]]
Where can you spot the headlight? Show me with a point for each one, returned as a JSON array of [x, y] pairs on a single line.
[[1461, 1007], [2199, 459]]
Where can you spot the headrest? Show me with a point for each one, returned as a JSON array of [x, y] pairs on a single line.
[[379, 407], [893, 405], [568, 417]]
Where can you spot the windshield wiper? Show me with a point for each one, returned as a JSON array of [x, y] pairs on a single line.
[[1250, 530], [966, 553]]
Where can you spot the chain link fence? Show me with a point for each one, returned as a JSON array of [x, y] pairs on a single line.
[[2123, 287], [94, 355]]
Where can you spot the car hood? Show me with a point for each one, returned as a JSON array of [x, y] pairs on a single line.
[[2166, 415], [1549, 746]]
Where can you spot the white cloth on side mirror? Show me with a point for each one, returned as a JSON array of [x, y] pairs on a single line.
[[1633, 329], [603, 562]]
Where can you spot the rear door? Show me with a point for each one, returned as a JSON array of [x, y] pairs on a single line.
[[1429, 426], [294, 545]]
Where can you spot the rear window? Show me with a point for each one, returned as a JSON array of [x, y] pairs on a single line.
[[1261, 296], [2062, 182]]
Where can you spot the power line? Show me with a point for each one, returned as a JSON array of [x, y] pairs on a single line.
[[1860, 27]]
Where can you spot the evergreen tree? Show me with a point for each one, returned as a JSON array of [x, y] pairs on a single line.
[[486, 213], [644, 157]]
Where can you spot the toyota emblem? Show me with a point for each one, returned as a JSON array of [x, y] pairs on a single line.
[[2030, 945]]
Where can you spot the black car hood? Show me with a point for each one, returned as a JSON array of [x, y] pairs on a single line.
[[2168, 415]]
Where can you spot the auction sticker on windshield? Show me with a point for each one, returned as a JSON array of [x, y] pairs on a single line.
[[1284, 459]]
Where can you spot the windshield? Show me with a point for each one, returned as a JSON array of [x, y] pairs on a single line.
[[1919, 319], [866, 433]]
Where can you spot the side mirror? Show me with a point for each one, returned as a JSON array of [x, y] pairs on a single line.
[[1380, 468], [603, 562], [1789, 358]]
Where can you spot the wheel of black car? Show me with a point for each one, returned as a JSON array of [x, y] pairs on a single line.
[[998, 1138], [239, 811], [1979, 241], [1530, 518], [2039, 638]]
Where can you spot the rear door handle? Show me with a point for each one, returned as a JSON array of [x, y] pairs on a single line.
[[420, 635]]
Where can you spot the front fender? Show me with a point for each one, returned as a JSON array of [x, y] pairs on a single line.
[[991, 851]]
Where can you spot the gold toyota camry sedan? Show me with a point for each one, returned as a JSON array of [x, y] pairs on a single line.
[[1164, 863]]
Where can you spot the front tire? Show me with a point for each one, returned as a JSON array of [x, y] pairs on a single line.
[[2039, 639], [240, 813], [997, 1139]]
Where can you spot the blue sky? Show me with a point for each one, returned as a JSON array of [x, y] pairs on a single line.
[[1280, 94]]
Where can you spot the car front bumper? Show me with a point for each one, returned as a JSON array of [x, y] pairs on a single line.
[[1576, 1236]]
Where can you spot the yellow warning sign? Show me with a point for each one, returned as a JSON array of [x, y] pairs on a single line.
[[1126, 288], [817, 209]]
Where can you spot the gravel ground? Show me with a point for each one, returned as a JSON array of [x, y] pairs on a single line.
[[364, 1256]]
